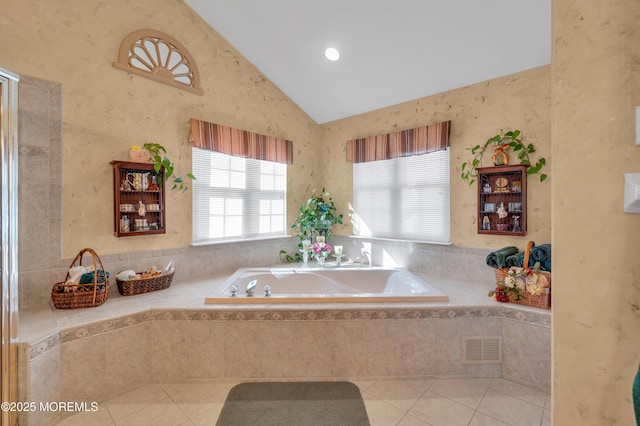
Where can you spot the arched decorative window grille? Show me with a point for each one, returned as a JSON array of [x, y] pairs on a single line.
[[158, 56]]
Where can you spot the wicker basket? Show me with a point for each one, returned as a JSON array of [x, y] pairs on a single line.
[[542, 301], [144, 285], [72, 296]]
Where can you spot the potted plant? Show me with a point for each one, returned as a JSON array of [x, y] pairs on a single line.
[[501, 144], [316, 218], [159, 159]]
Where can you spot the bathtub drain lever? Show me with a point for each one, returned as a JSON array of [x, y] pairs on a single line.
[[267, 290]]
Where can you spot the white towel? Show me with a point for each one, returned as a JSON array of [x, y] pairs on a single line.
[[75, 273]]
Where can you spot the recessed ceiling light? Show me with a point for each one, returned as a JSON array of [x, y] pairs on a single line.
[[332, 54]]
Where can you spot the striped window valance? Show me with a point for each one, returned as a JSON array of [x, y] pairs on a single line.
[[405, 143], [240, 143]]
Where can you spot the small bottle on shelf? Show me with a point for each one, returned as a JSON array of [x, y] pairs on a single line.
[[153, 186], [124, 223]]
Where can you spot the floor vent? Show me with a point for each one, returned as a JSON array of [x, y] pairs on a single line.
[[482, 350]]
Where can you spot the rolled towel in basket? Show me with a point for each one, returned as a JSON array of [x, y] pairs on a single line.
[[498, 258], [515, 259], [546, 265], [75, 273], [541, 253], [89, 277]]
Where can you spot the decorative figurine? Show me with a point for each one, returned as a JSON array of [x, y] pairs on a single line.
[[502, 213], [486, 188], [126, 185], [500, 156], [502, 185], [486, 225], [516, 224]]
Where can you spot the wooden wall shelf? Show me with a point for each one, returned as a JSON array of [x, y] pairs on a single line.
[[136, 190], [504, 186]]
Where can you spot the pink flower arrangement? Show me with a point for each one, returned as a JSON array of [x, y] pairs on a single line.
[[321, 248]]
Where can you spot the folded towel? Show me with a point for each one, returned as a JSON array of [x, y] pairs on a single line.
[[88, 278], [635, 392], [75, 273], [541, 253], [515, 259], [498, 258]]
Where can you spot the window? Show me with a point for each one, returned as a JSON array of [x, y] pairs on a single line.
[[237, 198], [403, 198]]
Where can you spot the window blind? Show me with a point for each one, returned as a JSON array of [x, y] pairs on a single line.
[[237, 198], [403, 198]]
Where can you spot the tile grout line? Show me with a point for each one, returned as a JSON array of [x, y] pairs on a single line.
[[480, 403], [416, 401], [141, 408], [405, 412]]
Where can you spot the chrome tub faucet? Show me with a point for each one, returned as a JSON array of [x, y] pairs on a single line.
[[251, 288]]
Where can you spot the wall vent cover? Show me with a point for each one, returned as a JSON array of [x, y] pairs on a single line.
[[481, 349]]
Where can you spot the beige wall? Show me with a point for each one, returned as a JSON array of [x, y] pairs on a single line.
[[477, 112], [105, 110], [596, 311], [593, 81]]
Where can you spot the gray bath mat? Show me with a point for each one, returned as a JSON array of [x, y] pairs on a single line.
[[294, 404]]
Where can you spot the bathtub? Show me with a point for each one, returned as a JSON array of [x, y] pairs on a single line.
[[327, 285]]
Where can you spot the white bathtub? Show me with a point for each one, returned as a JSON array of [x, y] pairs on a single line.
[[327, 285]]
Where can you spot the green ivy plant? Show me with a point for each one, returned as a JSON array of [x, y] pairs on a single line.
[[513, 139], [160, 160], [316, 217]]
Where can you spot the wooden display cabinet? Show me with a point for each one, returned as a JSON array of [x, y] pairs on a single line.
[[138, 199], [506, 187]]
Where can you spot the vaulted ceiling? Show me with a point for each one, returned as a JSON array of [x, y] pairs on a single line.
[[390, 51]]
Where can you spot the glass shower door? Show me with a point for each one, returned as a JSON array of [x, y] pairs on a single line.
[[8, 237]]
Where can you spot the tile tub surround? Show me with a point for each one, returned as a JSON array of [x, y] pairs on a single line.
[[172, 337], [194, 263]]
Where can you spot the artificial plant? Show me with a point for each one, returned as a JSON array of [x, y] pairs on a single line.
[[160, 160], [501, 143], [316, 217]]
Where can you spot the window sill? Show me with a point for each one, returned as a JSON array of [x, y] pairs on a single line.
[[398, 240], [240, 240]]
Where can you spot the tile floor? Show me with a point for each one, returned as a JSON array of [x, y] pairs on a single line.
[[437, 402]]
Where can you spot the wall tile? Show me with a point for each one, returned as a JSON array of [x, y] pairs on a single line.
[[35, 287], [526, 354], [45, 385], [168, 352], [128, 359], [242, 350], [83, 364], [304, 346], [33, 109], [204, 349]]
